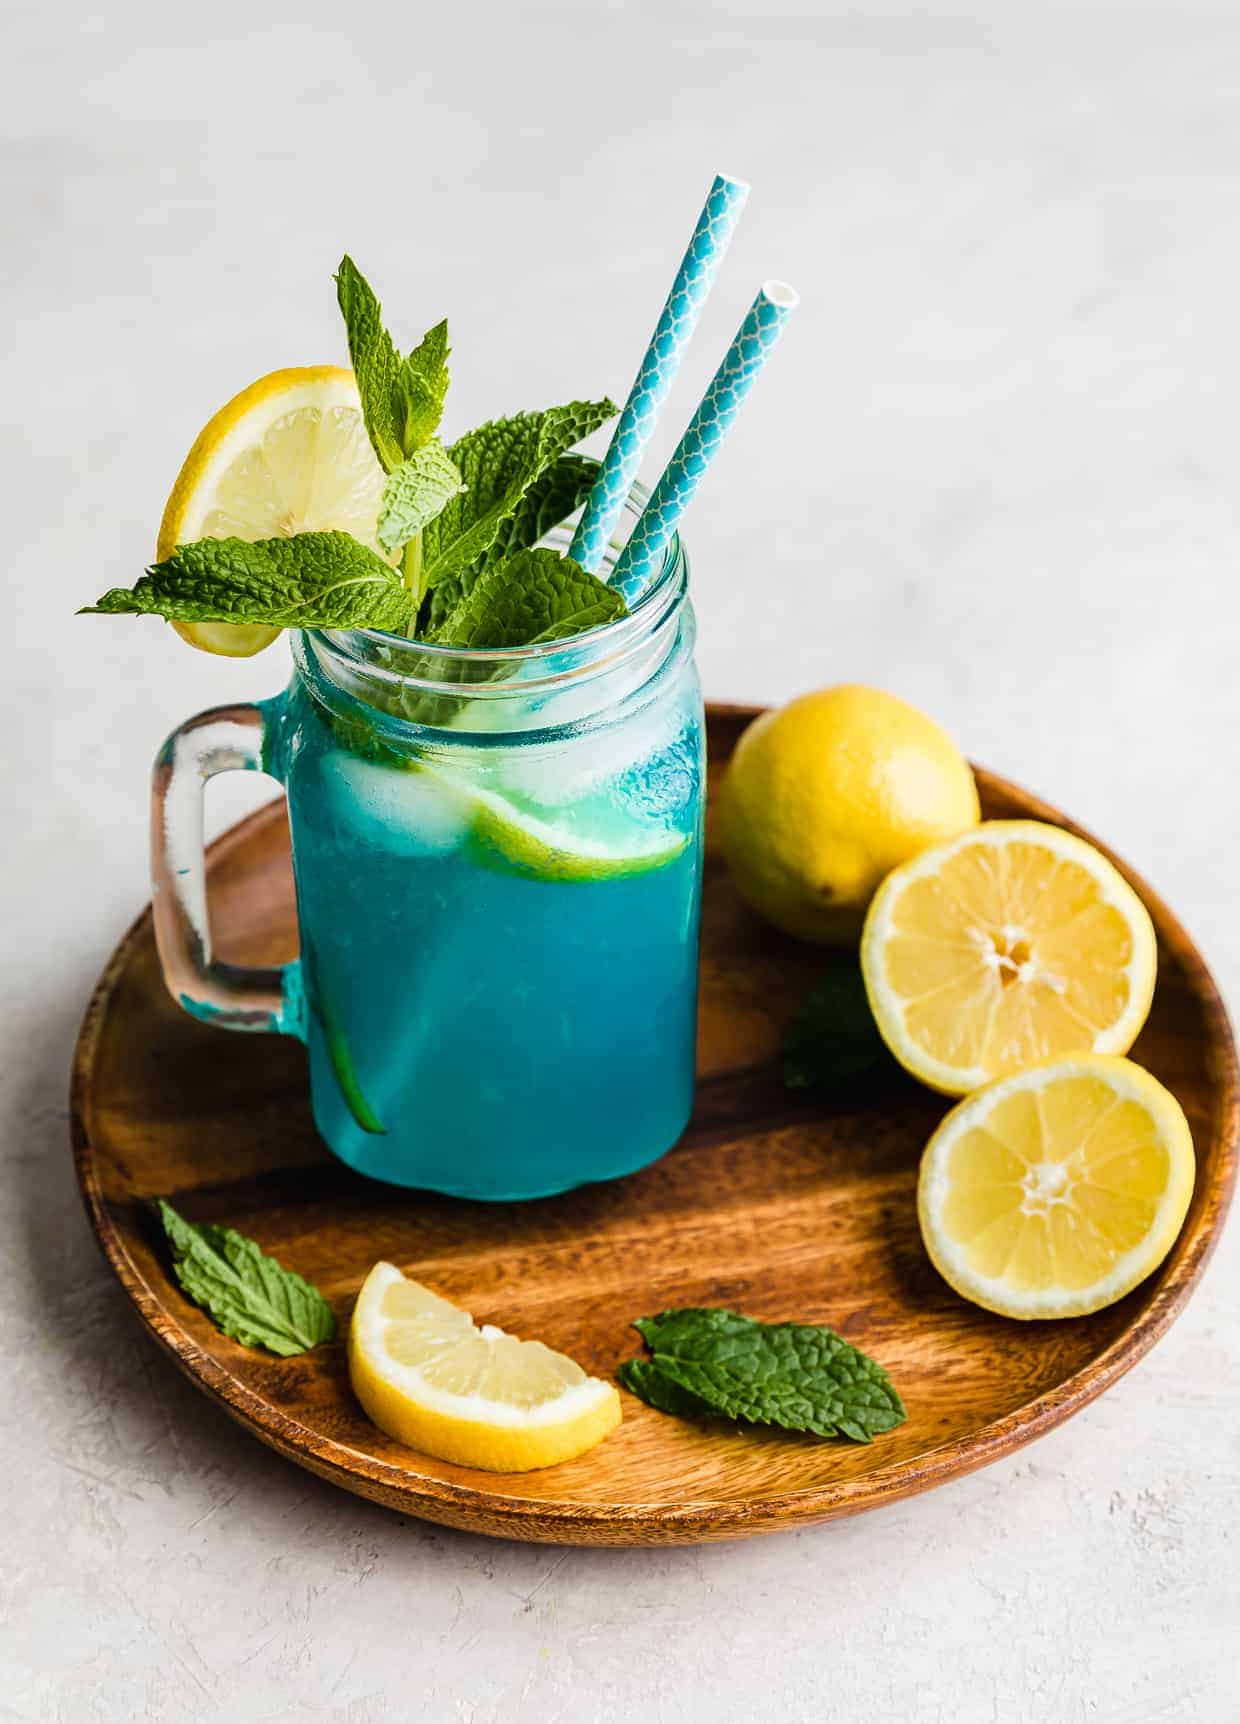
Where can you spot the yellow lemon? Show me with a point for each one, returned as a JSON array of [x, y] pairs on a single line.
[[1053, 1192], [1013, 943], [430, 1377], [288, 455], [822, 798]]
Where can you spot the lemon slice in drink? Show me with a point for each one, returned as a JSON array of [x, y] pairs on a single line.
[[428, 1376], [1053, 1192], [288, 455], [1013, 943]]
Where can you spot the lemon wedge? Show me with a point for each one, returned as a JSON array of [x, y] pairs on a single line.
[[1013, 943], [1053, 1192], [430, 1377], [288, 455]]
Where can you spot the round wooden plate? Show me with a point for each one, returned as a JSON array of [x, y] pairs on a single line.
[[782, 1206]]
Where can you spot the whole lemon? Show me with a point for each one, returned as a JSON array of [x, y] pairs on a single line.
[[824, 797]]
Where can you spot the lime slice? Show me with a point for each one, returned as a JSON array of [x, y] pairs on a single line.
[[516, 840], [433, 812]]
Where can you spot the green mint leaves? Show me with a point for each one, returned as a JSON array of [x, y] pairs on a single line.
[[800, 1376], [415, 493], [535, 596], [251, 1297], [464, 520], [498, 463], [313, 580], [402, 399], [833, 1044]]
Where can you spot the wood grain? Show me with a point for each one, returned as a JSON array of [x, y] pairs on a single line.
[[782, 1206]]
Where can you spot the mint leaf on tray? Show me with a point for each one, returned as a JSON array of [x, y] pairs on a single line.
[[313, 580], [799, 1376], [833, 1042], [643, 1378], [250, 1296]]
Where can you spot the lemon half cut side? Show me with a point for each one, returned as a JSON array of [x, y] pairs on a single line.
[[1053, 1192], [429, 1376], [288, 455], [1013, 943]]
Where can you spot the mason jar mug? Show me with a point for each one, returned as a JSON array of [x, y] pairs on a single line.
[[497, 858]]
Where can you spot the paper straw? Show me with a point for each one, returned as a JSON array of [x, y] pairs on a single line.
[[751, 346], [694, 279]]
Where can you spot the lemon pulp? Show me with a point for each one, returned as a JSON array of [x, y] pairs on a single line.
[[1053, 1192], [1010, 944]]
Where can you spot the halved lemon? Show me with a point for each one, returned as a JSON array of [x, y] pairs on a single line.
[[1053, 1192], [1013, 943], [430, 1377], [288, 455]]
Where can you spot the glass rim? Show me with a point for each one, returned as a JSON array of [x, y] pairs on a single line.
[[367, 653]]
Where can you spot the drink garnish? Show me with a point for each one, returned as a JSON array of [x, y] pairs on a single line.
[[451, 518], [248, 1295], [706, 1362]]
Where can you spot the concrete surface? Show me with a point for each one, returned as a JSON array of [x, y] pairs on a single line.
[[994, 469]]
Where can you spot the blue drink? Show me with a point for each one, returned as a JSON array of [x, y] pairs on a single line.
[[498, 867], [501, 964]]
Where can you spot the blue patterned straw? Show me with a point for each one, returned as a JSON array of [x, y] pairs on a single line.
[[694, 279], [764, 324]]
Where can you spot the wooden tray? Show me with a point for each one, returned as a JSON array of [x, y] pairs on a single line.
[[778, 1205]]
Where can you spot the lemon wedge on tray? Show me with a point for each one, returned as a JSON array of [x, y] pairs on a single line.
[[430, 1377], [1012, 943], [288, 455], [1053, 1192]]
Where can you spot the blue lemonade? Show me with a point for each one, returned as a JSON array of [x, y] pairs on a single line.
[[499, 933]]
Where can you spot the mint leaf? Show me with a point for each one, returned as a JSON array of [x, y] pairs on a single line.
[[376, 363], [313, 580], [535, 596], [800, 1376], [499, 462], [833, 1042], [420, 387], [415, 493], [549, 500], [251, 1297], [643, 1378]]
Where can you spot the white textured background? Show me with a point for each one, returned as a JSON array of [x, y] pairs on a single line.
[[994, 468]]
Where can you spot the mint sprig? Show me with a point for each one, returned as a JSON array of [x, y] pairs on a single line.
[[463, 519], [402, 398], [250, 1296], [799, 1376]]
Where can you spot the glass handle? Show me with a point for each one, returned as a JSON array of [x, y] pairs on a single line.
[[225, 739]]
